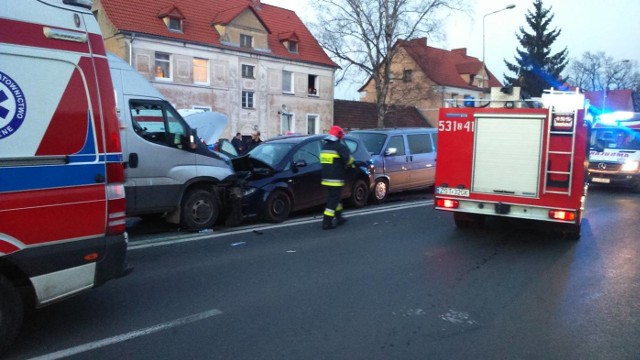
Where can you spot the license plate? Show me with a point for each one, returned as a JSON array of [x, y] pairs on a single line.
[[451, 191], [601, 180]]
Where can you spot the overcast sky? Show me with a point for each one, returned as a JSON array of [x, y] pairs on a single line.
[[611, 26]]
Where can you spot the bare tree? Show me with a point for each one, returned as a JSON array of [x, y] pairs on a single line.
[[361, 35], [597, 71]]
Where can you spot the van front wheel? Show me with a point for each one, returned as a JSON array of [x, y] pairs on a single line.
[[199, 210], [380, 191]]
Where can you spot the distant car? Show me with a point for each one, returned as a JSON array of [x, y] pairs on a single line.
[[404, 158], [282, 175]]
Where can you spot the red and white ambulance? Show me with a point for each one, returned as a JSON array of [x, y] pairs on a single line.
[[62, 205], [510, 161], [615, 150]]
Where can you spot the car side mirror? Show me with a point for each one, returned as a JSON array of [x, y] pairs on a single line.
[[299, 163], [390, 151]]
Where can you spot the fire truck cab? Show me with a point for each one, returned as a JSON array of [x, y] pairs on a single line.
[[510, 161], [614, 157]]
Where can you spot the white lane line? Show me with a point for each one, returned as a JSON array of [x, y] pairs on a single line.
[[128, 336], [178, 239]]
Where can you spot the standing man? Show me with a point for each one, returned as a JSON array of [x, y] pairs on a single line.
[[335, 158], [238, 143], [255, 140]]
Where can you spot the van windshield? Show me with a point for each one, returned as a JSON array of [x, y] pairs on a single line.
[[615, 138], [372, 141]]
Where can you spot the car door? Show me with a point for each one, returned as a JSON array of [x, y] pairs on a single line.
[[396, 164], [422, 157], [304, 182]]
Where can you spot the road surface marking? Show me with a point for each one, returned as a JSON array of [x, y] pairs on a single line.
[[128, 336], [173, 239]]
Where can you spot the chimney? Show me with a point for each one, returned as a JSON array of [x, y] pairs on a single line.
[[461, 51], [420, 41], [256, 4]]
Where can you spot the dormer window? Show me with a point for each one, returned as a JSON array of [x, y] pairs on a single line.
[[246, 41], [175, 24], [290, 41], [172, 18], [293, 46]]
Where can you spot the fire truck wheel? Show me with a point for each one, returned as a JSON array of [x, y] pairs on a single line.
[[11, 312], [571, 232], [380, 191], [465, 221], [199, 210]]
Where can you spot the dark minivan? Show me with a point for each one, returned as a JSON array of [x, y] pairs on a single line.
[[404, 158]]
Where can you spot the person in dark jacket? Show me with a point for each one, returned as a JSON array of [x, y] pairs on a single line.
[[238, 143], [255, 140], [335, 158]]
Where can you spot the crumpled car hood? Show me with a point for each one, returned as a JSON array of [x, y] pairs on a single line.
[[248, 167]]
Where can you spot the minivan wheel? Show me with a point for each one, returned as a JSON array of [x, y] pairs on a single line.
[[278, 207], [380, 191], [199, 210], [359, 194]]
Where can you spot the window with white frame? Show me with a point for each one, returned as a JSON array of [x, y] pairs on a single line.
[[247, 71], [313, 124], [287, 82], [286, 123], [247, 99], [200, 71], [246, 41], [174, 24], [163, 66]]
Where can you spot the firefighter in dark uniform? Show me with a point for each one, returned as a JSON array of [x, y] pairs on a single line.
[[335, 158]]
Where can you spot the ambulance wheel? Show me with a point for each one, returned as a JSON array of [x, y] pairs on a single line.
[[359, 194], [278, 207], [199, 210], [380, 191], [465, 221], [11, 312]]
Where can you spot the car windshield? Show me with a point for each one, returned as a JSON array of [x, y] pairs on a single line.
[[372, 141], [271, 153], [615, 138]]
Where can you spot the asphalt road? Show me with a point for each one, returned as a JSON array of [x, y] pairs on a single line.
[[396, 282]]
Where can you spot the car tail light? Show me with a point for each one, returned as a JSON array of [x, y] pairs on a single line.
[[447, 203], [116, 203], [562, 215]]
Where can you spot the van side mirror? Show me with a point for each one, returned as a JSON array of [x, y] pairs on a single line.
[[390, 151]]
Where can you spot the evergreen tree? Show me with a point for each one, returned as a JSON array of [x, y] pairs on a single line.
[[535, 68]]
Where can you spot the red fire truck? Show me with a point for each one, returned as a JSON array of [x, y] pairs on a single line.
[[509, 161]]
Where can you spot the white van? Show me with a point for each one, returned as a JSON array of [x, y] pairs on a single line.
[[168, 170]]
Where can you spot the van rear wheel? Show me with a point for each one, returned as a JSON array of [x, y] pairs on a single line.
[[199, 210], [11, 313]]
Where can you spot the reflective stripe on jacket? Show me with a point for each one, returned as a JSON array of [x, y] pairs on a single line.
[[335, 158]]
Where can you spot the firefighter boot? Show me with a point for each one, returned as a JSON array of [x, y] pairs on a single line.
[[328, 223], [339, 218]]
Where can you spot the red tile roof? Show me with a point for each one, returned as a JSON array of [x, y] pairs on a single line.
[[617, 100], [353, 115], [141, 16], [445, 67]]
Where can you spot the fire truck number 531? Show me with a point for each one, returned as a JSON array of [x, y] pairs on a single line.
[[454, 125]]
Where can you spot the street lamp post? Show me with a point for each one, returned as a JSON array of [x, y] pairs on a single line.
[[508, 7]]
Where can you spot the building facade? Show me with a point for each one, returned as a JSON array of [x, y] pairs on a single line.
[[256, 63], [430, 78]]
